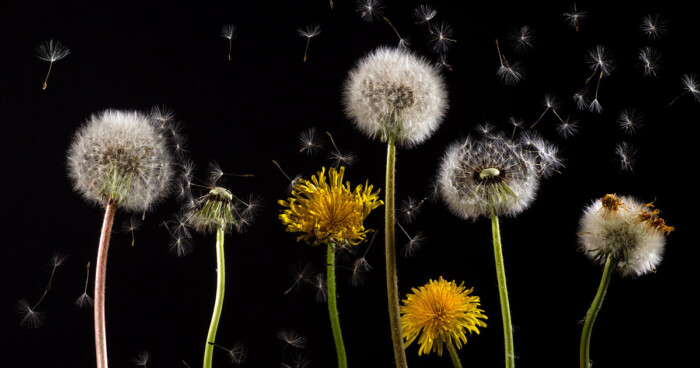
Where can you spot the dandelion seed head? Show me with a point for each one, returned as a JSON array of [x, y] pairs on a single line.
[[30, 317], [84, 301], [228, 31], [653, 26], [595, 107], [57, 259], [310, 141], [215, 210], [630, 120], [443, 37], [523, 38], [413, 245], [574, 16], [477, 176], [310, 31], [568, 128], [598, 59], [424, 13], [629, 231], [440, 313], [408, 210], [370, 10], [292, 338], [510, 74], [121, 156], [392, 92], [51, 51]]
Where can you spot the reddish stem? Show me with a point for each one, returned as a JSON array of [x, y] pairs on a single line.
[[100, 278]]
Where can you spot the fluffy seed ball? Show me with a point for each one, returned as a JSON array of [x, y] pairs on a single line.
[[493, 172], [392, 92], [629, 231], [121, 156]]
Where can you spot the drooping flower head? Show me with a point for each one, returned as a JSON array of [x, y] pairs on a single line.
[[326, 210], [123, 157], [440, 313], [495, 173], [631, 232], [393, 92]]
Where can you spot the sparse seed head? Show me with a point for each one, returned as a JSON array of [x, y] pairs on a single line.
[[630, 231], [215, 210], [51, 51], [392, 92], [121, 156]]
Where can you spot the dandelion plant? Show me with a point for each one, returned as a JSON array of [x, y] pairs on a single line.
[[622, 235], [490, 177], [438, 314], [327, 211], [401, 99], [118, 159]]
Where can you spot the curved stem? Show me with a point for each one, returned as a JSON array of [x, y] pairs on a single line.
[[453, 355], [593, 312], [218, 301], [503, 291], [333, 307], [100, 278], [392, 284]]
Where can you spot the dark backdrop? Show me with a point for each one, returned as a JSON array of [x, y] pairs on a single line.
[[249, 111]]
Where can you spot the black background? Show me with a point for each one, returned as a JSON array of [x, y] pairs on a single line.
[[246, 112]]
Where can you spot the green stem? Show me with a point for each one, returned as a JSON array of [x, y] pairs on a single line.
[[100, 285], [453, 355], [218, 301], [392, 284], [333, 307], [593, 312], [503, 291]]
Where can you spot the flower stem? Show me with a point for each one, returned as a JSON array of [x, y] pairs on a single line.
[[453, 355], [100, 278], [392, 284], [503, 291], [333, 307], [593, 312], [218, 301]]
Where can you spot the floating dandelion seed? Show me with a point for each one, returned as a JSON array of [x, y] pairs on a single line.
[[310, 141], [337, 157], [360, 266], [292, 338], [484, 128], [508, 73], [298, 361], [651, 60], [30, 317], [629, 121], [624, 235], [442, 37], [142, 359], [567, 128], [690, 85], [423, 14], [409, 209], [51, 51], [309, 32], [228, 31], [600, 63], [292, 182], [653, 26], [439, 314], [516, 123], [442, 62], [403, 42], [414, 242], [130, 226], [319, 284], [301, 275], [581, 100], [573, 16], [550, 103], [237, 353], [84, 300], [523, 38], [369, 10], [626, 156]]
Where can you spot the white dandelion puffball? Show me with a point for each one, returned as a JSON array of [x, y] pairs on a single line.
[[393, 93], [495, 173], [123, 157], [631, 232]]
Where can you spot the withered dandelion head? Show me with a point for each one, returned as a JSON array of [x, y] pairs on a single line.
[[213, 211], [327, 210], [440, 313], [631, 232], [123, 157], [394, 93]]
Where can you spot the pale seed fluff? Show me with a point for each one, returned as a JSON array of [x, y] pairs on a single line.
[[123, 157], [394, 93], [630, 231], [492, 172]]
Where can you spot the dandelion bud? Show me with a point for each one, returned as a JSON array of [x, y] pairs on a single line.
[[394, 93], [121, 157]]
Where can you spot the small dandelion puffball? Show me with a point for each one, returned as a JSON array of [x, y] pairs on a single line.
[[441, 313], [490, 173], [394, 93], [121, 157], [632, 233]]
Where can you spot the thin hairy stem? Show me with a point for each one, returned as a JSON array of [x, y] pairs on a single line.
[[392, 283], [47, 77], [100, 282], [333, 307], [453, 355], [218, 301], [503, 291], [585, 360], [308, 40]]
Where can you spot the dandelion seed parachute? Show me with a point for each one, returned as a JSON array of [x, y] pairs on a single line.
[[393, 92]]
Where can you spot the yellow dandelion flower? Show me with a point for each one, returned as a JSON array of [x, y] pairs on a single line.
[[443, 312], [327, 210]]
